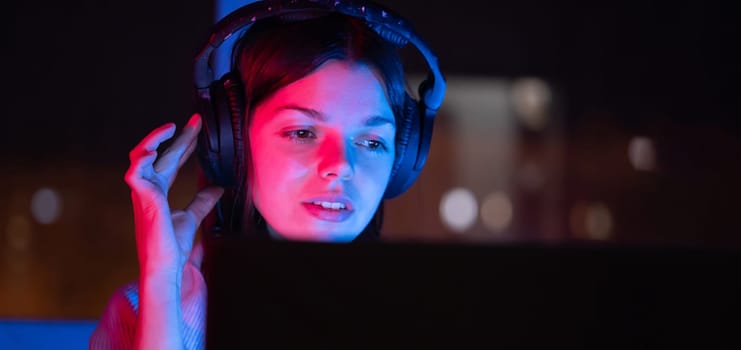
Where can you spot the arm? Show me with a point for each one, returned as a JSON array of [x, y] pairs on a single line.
[[168, 265], [117, 326]]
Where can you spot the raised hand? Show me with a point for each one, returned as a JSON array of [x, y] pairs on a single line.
[[168, 263]]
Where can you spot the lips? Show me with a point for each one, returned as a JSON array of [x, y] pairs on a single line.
[[329, 208]]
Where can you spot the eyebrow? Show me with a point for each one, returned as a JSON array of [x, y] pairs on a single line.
[[375, 120]]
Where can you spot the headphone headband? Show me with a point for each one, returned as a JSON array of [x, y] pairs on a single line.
[[382, 20]]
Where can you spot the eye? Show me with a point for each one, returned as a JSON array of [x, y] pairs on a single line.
[[300, 135], [373, 145]]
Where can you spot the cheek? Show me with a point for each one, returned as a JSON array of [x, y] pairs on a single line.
[[373, 175], [265, 174], [274, 169]]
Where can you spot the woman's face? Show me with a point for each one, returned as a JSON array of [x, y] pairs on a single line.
[[322, 151]]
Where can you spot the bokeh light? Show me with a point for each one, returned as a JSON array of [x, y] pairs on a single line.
[[591, 220], [46, 205], [458, 209], [642, 153], [531, 100], [496, 211], [598, 221]]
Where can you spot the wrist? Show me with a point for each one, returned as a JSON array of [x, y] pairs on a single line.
[[160, 279], [160, 315]]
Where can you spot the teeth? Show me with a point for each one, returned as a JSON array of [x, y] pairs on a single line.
[[330, 205]]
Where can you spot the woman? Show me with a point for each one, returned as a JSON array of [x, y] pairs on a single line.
[[323, 101]]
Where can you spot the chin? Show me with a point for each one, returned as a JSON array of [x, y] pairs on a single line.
[[333, 236], [341, 237]]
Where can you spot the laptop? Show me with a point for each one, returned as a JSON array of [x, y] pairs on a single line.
[[278, 294]]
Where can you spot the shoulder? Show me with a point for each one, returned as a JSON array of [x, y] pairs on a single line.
[[131, 294], [117, 325]]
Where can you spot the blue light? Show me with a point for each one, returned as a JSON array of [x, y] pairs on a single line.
[[222, 55], [45, 334]]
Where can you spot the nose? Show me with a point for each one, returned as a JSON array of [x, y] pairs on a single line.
[[335, 159]]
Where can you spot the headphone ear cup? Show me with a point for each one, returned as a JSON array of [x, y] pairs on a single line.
[[220, 145], [208, 148], [235, 101], [408, 134], [215, 143]]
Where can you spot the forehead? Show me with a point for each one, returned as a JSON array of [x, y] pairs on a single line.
[[340, 90]]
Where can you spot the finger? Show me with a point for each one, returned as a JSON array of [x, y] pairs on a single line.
[[196, 255], [140, 168], [204, 202], [143, 155], [183, 159], [173, 155], [188, 151], [187, 221], [154, 139]]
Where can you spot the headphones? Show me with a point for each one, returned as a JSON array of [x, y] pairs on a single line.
[[221, 102]]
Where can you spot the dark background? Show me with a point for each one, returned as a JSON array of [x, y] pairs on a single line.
[[81, 71], [84, 80]]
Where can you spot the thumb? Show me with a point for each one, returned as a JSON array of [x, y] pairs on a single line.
[[196, 255], [187, 221], [204, 202]]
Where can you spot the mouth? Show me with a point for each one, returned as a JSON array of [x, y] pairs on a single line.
[[330, 205], [335, 209]]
